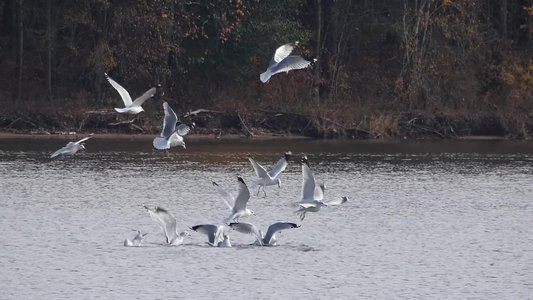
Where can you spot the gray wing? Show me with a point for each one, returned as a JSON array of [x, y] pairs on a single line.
[[337, 201], [83, 140], [291, 62], [280, 165], [165, 220], [122, 91], [226, 197], [60, 151], [260, 171], [281, 53], [208, 229], [242, 196], [147, 95], [183, 129], [246, 228], [319, 192], [169, 121], [308, 184], [276, 227]]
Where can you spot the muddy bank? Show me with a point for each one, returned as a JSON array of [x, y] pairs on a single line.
[[273, 125]]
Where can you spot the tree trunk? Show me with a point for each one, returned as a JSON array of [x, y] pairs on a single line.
[[49, 34], [318, 49], [504, 15], [20, 30]]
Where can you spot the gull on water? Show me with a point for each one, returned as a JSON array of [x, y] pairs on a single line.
[[269, 239], [171, 135], [136, 241], [265, 178], [284, 62], [313, 195], [131, 107], [216, 234], [70, 148], [168, 224], [238, 210]]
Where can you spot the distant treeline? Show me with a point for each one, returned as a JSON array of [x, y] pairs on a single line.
[[385, 68]]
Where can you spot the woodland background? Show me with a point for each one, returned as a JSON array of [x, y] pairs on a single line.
[[390, 68]]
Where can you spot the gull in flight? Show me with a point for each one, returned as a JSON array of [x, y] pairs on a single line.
[[269, 239], [238, 210], [194, 113], [70, 148], [168, 223], [171, 135], [269, 178], [313, 195], [216, 234], [136, 241], [131, 107], [284, 62]]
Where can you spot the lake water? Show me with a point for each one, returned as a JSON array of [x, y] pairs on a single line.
[[426, 220]]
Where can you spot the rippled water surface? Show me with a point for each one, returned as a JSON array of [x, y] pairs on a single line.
[[425, 220]]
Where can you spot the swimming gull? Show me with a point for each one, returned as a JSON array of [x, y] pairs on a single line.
[[136, 241], [313, 195], [269, 239], [216, 234], [168, 224], [238, 209], [171, 135], [271, 177], [70, 148], [131, 107]]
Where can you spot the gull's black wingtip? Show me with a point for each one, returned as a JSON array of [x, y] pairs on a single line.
[[240, 179], [287, 155]]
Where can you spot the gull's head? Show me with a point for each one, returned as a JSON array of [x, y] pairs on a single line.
[[184, 233], [252, 212]]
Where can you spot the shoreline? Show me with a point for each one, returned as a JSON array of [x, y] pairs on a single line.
[[203, 136]]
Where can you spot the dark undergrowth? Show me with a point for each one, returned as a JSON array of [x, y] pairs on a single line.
[[315, 123]]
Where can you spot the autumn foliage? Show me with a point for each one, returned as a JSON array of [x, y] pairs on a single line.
[[443, 68]]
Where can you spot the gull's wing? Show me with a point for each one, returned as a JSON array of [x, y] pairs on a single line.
[[59, 152], [225, 195], [291, 62], [212, 231], [247, 228], [169, 121], [147, 95], [242, 196], [165, 220], [308, 182], [276, 227], [260, 171], [337, 201], [280, 165], [183, 129], [308, 204], [282, 52], [122, 91], [83, 140], [319, 192]]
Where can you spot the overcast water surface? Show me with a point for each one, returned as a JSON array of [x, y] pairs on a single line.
[[426, 220]]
